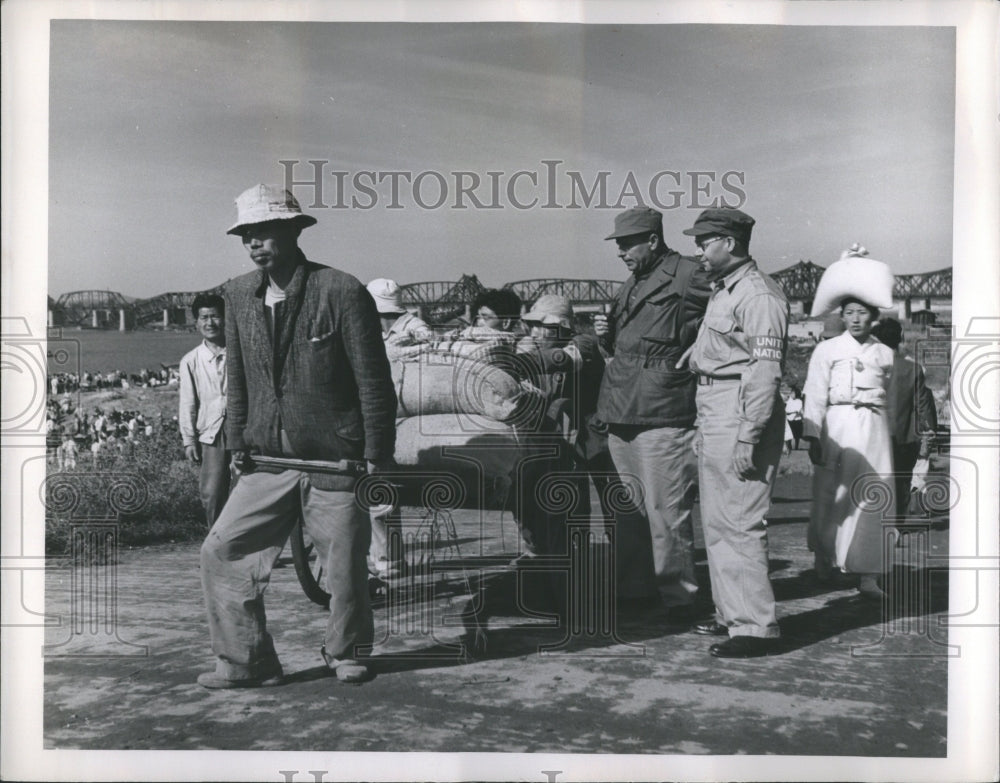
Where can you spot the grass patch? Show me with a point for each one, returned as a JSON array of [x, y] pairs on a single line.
[[151, 491]]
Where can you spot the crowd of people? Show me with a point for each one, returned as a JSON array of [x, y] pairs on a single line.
[[71, 382], [73, 433]]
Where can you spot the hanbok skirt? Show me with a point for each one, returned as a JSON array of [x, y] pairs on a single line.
[[853, 491]]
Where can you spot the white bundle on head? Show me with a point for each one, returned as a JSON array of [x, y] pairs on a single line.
[[854, 276]]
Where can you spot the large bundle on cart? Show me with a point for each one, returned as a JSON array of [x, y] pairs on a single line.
[[434, 383], [459, 431]]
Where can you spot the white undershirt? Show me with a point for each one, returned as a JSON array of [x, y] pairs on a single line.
[[273, 294]]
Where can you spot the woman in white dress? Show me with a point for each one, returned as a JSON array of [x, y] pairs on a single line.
[[846, 426]]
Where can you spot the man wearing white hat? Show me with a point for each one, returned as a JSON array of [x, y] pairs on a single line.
[[307, 378], [400, 330]]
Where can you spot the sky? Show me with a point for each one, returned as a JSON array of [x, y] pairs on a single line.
[[825, 135]]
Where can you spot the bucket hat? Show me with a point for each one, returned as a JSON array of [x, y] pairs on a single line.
[[551, 309], [264, 203], [388, 298]]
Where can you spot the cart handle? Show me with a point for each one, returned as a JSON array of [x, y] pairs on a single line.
[[343, 467]]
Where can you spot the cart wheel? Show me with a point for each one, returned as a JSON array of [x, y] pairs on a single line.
[[308, 567]]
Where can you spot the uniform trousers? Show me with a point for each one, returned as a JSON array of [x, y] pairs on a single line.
[[215, 476], [733, 511], [654, 535], [242, 548]]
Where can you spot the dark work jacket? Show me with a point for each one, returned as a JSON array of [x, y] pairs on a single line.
[[326, 383], [641, 385]]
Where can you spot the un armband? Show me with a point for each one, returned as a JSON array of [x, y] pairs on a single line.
[[767, 348]]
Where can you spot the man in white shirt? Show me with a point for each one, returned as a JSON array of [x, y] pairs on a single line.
[[203, 404], [401, 330]]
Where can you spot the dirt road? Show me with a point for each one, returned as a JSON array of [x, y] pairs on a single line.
[[839, 688]]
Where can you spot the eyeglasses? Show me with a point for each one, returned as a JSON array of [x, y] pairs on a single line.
[[703, 243]]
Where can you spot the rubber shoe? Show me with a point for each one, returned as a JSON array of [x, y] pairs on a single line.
[[346, 669], [216, 682], [349, 671]]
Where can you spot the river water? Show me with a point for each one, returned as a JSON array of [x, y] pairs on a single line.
[[96, 350]]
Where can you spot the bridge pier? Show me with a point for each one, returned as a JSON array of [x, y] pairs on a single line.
[[121, 321], [94, 320], [166, 316]]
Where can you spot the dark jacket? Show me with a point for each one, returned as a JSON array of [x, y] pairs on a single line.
[[912, 410], [569, 377], [327, 383], [641, 385]]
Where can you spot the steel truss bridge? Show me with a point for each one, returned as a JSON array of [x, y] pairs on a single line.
[[444, 300], [579, 292], [799, 282], [78, 308]]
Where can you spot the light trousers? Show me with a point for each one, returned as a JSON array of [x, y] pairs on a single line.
[[654, 537], [733, 512], [242, 547], [215, 476]]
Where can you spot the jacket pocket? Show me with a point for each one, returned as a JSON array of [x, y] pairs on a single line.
[[321, 340], [662, 299], [720, 339], [666, 379], [720, 324]]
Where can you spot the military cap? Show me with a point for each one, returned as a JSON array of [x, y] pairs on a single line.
[[724, 222], [638, 220]]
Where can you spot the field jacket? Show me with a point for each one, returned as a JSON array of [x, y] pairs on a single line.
[[327, 382], [641, 385]]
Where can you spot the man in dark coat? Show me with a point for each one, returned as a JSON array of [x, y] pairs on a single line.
[[308, 378], [649, 407], [912, 411]]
